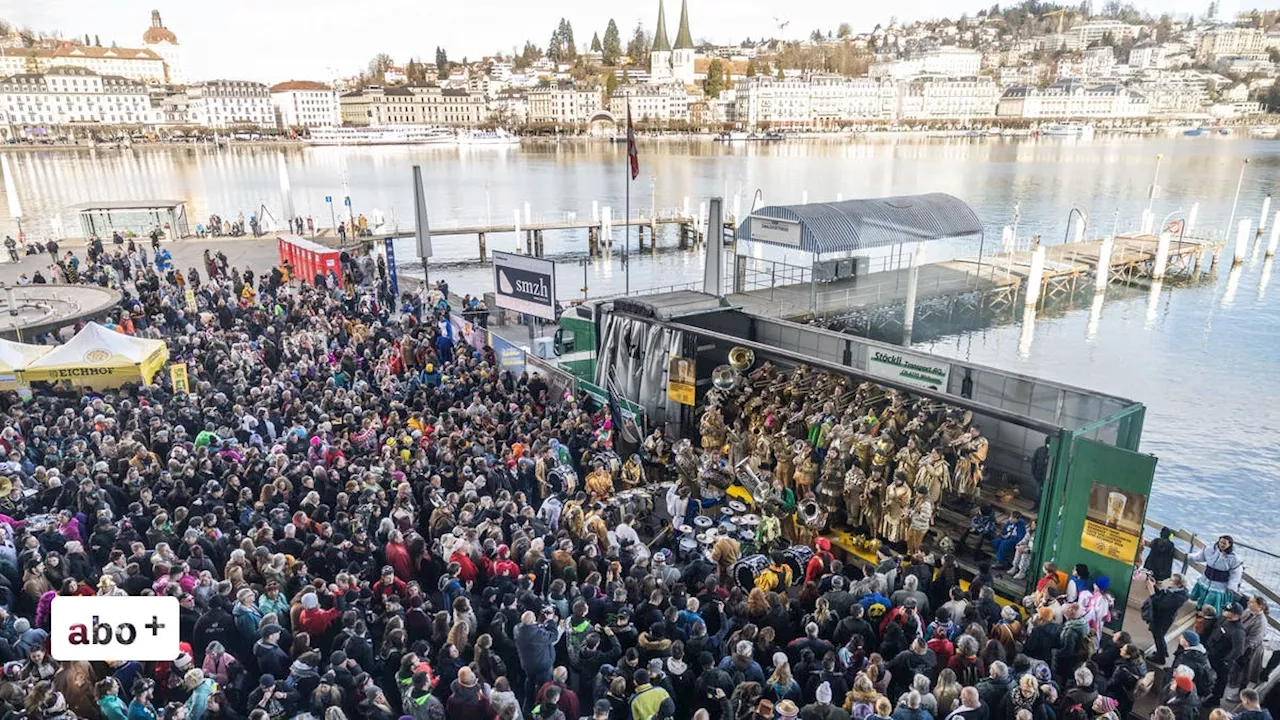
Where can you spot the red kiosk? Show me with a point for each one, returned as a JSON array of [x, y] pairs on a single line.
[[308, 258]]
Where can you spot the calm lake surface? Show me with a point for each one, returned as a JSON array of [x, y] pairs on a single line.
[[1202, 358]]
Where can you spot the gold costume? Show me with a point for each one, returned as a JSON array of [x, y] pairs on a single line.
[[632, 475], [724, 553], [599, 484], [933, 474], [806, 471], [897, 501], [969, 466], [855, 482]]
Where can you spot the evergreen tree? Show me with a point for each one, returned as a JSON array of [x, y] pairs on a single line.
[[96, 41], [638, 47], [714, 84], [752, 68], [612, 45], [610, 84], [442, 62], [781, 75], [595, 43]]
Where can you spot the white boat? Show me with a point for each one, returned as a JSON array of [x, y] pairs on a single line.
[[733, 137], [1263, 131], [487, 138], [391, 135], [1080, 130]]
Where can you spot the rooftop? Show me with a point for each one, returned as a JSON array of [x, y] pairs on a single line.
[[298, 85]]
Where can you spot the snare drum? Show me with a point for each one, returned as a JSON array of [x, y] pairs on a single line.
[[746, 570], [687, 547], [797, 556]]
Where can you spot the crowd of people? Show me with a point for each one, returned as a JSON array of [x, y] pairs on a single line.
[[362, 516]]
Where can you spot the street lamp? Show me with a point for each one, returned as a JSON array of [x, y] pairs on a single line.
[[1236, 200], [1155, 183]]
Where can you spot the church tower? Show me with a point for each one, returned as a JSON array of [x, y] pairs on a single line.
[[682, 57], [660, 55]]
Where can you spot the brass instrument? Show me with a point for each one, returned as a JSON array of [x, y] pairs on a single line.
[[724, 377], [741, 358], [811, 514], [756, 487], [727, 377]]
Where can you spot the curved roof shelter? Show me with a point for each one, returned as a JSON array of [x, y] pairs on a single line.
[[852, 225]]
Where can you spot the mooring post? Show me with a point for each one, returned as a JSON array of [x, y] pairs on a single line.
[[595, 211], [483, 251], [1242, 241], [1162, 256], [528, 242], [1035, 278], [686, 206], [1191, 218], [1148, 220], [537, 243], [1275, 235], [913, 285], [528, 215], [1102, 275]]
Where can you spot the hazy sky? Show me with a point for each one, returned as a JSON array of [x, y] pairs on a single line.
[[275, 40]]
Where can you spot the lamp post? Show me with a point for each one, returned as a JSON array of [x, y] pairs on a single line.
[[1155, 183], [1235, 200]]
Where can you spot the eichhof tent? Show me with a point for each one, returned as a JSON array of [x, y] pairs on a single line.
[[100, 358], [14, 358]]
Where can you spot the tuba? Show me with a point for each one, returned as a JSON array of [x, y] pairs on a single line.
[[811, 515], [758, 489], [741, 358]]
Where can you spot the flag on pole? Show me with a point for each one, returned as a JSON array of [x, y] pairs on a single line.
[[632, 154]]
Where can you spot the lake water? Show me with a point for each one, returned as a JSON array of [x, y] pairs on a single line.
[[1203, 358]]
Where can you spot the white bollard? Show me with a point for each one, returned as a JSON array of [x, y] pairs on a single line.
[[1275, 236], [1036, 277], [595, 211], [913, 285], [516, 214], [528, 219], [1102, 275], [1191, 218], [1242, 241], [1148, 219], [686, 206], [1162, 256], [1006, 239], [1077, 232], [1266, 208]]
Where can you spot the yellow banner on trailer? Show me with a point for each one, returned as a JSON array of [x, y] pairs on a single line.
[[100, 358]]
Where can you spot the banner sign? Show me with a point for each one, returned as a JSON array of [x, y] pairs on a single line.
[[191, 301], [1113, 522], [775, 230], [681, 380], [909, 368], [392, 276], [510, 356], [525, 284], [468, 332], [178, 375]]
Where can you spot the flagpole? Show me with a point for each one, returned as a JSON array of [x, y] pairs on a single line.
[[626, 225]]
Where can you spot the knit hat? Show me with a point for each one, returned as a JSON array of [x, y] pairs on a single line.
[[310, 601], [1192, 638], [1045, 614], [1102, 582], [267, 680], [194, 677], [787, 709], [1184, 683], [269, 629], [822, 544], [337, 658], [1104, 704], [21, 625], [824, 693]]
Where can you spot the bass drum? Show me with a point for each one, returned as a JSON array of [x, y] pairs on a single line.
[[746, 570], [611, 461], [563, 479], [797, 556]]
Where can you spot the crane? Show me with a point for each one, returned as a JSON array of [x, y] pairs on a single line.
[[1061, 13]]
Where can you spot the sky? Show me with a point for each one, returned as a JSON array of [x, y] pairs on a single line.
[[277, 40]]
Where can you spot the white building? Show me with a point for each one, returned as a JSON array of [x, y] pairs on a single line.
[[64, 99], [1232, 42], [139, 64], [1147, 56], [221, 104], [947, 61], [303, 103], [769, 103], [651, 103], [563, 105], [1176, 93], [1085, 34], [161, 40], [944, 98], [510, 107], [1068, 99]]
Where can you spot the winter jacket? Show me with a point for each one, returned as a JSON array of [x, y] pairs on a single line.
[[468, 703], [535, 645], [271, 660]]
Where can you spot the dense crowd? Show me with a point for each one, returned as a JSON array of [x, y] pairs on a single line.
[[362, 517]]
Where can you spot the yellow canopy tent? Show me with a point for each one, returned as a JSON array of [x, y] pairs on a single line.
[[100, 358], [15, 357]]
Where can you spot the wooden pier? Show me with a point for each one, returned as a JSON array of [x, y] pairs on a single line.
[[996, 282]]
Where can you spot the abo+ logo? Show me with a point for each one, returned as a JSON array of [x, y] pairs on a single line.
[[114, 628]]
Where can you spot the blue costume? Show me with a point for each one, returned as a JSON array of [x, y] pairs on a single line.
[[1007, 540]]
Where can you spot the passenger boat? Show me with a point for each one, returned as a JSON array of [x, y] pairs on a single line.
[[390, 135], [1263, 131], [1080, 130], [500, 138]]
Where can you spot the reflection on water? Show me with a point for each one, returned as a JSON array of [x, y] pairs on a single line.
[[1202, 357]]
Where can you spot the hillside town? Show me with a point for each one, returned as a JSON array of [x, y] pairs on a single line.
[[1019, 66]]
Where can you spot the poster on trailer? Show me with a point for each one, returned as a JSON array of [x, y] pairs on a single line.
[[525, 284]]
